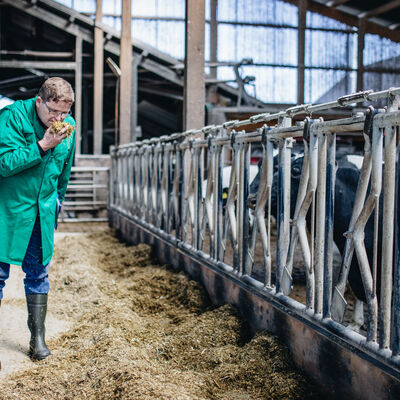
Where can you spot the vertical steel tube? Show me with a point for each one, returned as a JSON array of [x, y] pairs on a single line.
[[330, 202], [244, 191], [165, 188], [218, 211], [125, 178], [138, 177], [320, 223], [387, 237], [396, 272], [112, 181], [233, 209], [196, 195], [283, 209], [241, 172]]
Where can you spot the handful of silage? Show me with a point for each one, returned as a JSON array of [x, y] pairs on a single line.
[[57, 126]]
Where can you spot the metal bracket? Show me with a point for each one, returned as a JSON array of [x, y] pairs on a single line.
[[393, 100], [298, 109], [369, 121], [233, 138], [351, 98], [230, 124], [306, 129]]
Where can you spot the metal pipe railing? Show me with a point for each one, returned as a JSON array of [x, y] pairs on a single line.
[[197, 192]]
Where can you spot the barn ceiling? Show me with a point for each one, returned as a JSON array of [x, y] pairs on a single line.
[[383, 12]]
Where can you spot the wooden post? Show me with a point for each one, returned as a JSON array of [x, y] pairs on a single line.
[[85, 119], [360, 54], [213, 37], [125, 63], [78, 93], [134, 97], [98, 83], [301, 50], [194, 90]]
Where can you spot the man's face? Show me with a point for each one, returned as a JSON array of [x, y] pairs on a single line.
[[51, 111]]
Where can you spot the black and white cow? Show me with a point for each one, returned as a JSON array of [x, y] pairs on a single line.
[[347, 177]]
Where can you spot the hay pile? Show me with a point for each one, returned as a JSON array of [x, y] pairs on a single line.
[[146, 332]]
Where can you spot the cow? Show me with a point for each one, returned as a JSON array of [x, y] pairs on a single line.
[[226, 176], [347, 177]]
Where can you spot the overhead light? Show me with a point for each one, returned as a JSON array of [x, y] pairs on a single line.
[[114, 67]]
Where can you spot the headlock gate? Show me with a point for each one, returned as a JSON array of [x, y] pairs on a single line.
[[189, 195]]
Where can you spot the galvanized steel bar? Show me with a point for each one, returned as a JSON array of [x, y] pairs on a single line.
[[197, 182], [395, 345], [330, 204], [243, 192], [283, 205], [385, 309], [320, 223]]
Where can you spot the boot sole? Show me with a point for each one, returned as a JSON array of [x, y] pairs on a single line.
[[37, 357]]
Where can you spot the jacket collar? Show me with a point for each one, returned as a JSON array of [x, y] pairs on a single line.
[[38, 125]]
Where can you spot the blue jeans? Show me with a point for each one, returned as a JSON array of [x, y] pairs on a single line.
[[36, 274]]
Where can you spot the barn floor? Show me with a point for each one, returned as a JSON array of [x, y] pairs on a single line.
[[121, 328]]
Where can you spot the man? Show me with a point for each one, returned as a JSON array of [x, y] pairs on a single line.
[[35, 166]]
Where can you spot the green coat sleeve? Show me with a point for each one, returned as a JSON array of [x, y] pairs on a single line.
[[64, 177], [16, 154]]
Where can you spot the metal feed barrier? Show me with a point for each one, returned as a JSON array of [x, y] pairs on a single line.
[[169, 192]]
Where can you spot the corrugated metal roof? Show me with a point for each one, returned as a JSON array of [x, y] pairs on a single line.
[[381, 12]]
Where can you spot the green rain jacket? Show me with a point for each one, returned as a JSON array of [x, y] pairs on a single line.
[[29, 183]]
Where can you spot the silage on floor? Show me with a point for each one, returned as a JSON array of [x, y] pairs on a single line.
[[146, 332]]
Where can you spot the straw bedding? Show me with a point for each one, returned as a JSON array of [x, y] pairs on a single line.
[[142, 331]]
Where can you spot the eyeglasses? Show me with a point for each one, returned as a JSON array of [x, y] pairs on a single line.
[[57, 113]]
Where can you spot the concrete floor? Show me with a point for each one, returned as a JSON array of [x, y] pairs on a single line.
[[14, 333]]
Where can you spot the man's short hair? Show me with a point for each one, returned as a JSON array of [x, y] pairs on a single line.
[[57, 89]]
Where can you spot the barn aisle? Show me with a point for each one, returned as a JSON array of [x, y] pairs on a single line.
[[121, 328]]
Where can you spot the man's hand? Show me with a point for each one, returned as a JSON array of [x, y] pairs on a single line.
[[50, 140]]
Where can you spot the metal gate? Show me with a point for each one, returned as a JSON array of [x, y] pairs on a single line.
[[175, 190]]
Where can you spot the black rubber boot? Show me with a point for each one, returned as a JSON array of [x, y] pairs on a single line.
[[37, 307]]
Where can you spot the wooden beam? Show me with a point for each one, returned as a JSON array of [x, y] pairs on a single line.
[[45, 54], [370, 27], [98, 83], [335, 3], [73, 15], [194, 88], [69, 65], [85, 118], [381, 9], [86, 34], [301, 50], [78, 94], [125, 64], [360, 54], [52, 19], [134, 97]]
